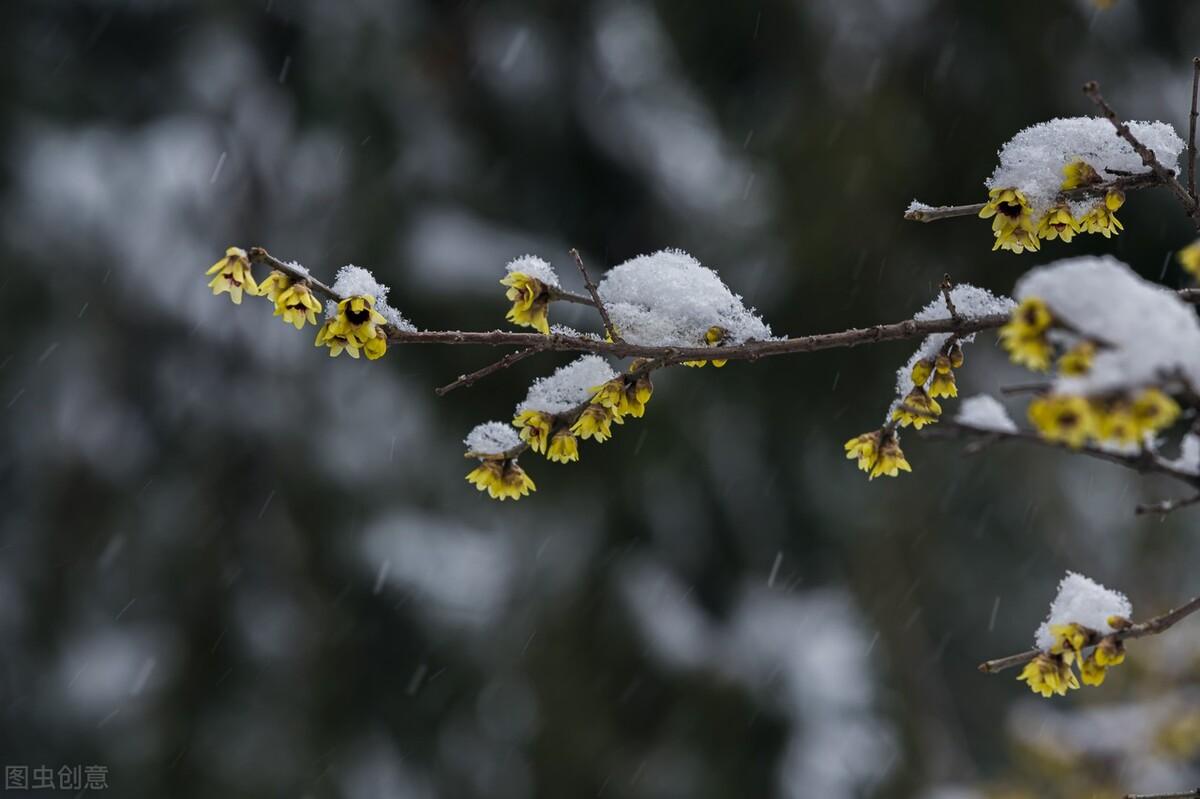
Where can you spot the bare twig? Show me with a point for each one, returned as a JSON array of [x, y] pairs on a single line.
[[1144, 180], [1092, 90], [470, 378], [1168, 505], [1177, 795], [1154, 626], [609, 328], [947, 286], [1192, 128]]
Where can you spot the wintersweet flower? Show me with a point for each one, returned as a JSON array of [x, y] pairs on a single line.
[[921, 371], [1048, 675], [375, 348], [535, 429], [332, 335], [917, 409], [296, 304], [890, 460], [1079, 173], [715, 336], [1115, 422], [1153, 410], [1024, 335], [1012, 220], [1102, 218], [1077, 360], [943, 384], [1066, 419], [564, 447], [530, 301], [1058, 223], [1091, 672], [1189, 258], [865, 448], [502, 478], [1110, 652], [233, 275], [358, 319], [595, 423], [274, 285]]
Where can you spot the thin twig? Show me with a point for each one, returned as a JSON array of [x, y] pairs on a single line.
[[947, 286], [1176, 795], [1192, 128], [609, 328], [1154, 626], [470, 378], [1166, 506], [1092, 90], [1143, 180]]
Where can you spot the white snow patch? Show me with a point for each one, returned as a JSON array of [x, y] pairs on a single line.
[[535, 267], [492, 438], [1152, 334], [916, 206], [668, 299], [1189, 455], [568, 387], [1032, 161], [1082, 601], [354, 281], [985, 412]]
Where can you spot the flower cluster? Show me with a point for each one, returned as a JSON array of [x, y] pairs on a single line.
[[502, 478], [878, 453], [715, 336], [354, 326], [932, 377], [1051, 672], [1124, 418], [530, 299], [1017, 228]]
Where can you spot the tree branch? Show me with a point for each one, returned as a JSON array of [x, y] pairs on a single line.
[[1154, 626], [1144, 180], [470, 378], [1192, 128], [609, 328], [1092, 90], [1177, 795]]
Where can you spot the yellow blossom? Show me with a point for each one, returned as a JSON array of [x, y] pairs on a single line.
[[917, 408], [1068, 637], [296, 304], [376, 347], [1110, 652], [635, 396], [274, 285], [1017, 240], [501, 478], [865, 448], [530, 301], [1029, 318], [956, 355], [358, 319], [1077, 174], [1115, 422], [943, 384], [1077, 360], [713, 337], [1189, 258], [1154, 410], [535, 429], [595, 423], [564, 447], [890, 461], [1102, 218], [1048, 675], [1024, 335], [1091, 672], [1058, 223], [233, 275], [921, 371], [1067, 419], [331, 335], [609, 394], [1012, 220]]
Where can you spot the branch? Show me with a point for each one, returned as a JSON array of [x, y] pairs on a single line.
[[1144, 180], [1177, 795], [1092, 90], [1154, 626], [1192, 128], [596, 301], [470, 378]]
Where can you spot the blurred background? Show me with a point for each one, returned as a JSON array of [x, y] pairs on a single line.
[[233, 567]]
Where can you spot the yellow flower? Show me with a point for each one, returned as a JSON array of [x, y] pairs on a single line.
[[1102, 218], [296, 304], [376, 347], [1069, 637], [1048, 675], [1079, 173], [1115, 422], [609, 394], [890, 461], [956, 355], [233, 275], [1024, 335], [1091, 671], [1012, 220], [535, 429], [865, 448], [501, 478], [1029, 318], [332, 336], [1110, 652], [530, 301], [921, 371], [595, 423], [917, 409], [564, 448], [1066, 419], [715, 336], [1154, 410], [1057, 223], [943, 384], [1077, 360], [358, 319], [1189, 258], [274, 285], [1017, 240], [635, 397]]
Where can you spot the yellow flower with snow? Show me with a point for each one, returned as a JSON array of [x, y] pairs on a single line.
[[1077, 360], [1091, 672], [375, 348], [956, 355], [943, 384], [296, 304], [332, 335], [1058, 223], [1115, 422], [609, 394], [1012, 220], [233, 275], [274, 285], [1077, 174], [921, 371], [1189, 258], [534, 427], [917, 409], [1024, 335], [1069, 637], [890, 461], [1154, 410], [564, 447], [595, 423], [635, 396], [502, 478], [1102, 218], [1063, 418], [530, 301], [1017, 240], [1048, 675], [1110, 652], [715, 336], [1030, 318], [358, 319]]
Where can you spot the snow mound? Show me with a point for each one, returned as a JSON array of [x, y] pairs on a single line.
[[537, 268], [1032, 161], [354, 281], [492, 438], [1082, 601], [667, 299], [568, 387], [985, 412]]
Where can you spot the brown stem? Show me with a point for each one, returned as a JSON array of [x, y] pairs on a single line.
[[1192, 128], [470, 378], [1144, 180], [596, 301]]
